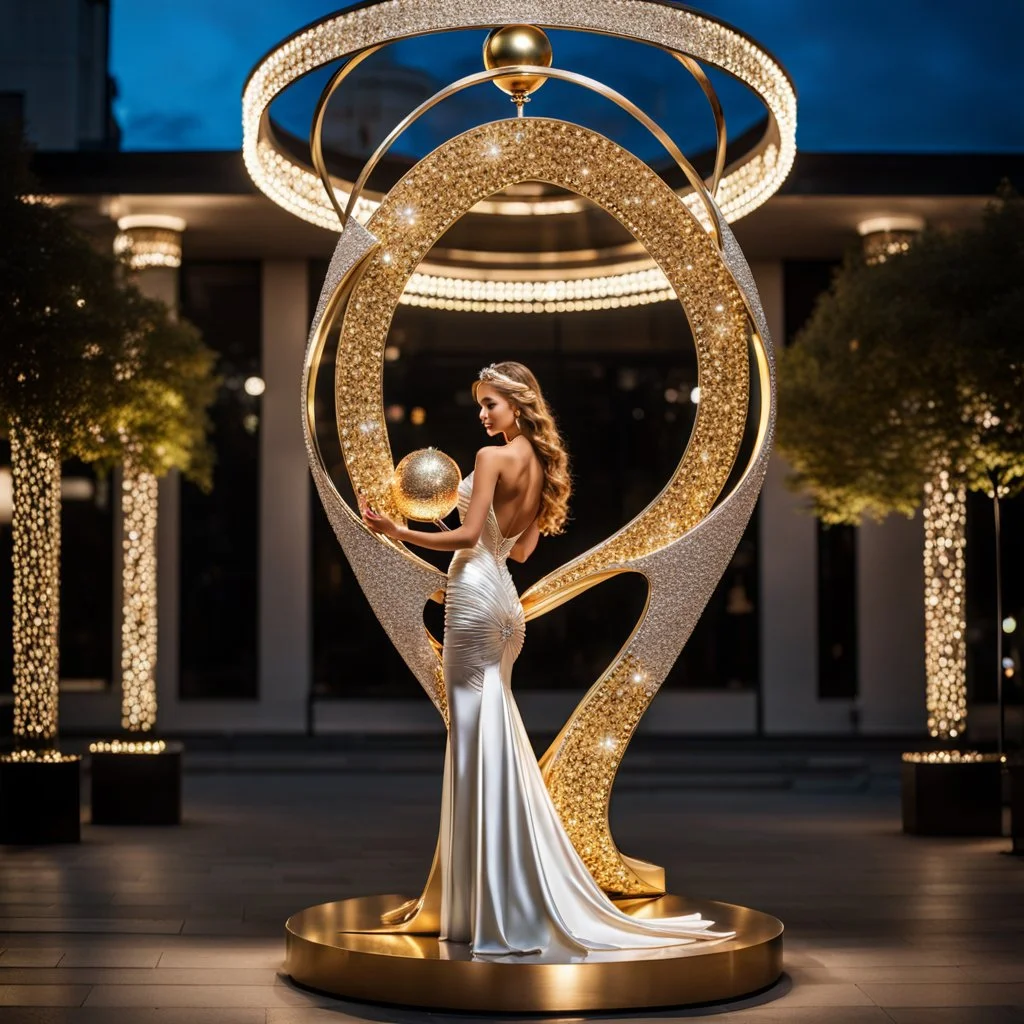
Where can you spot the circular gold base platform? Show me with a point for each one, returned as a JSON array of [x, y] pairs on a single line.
[[326, 950]]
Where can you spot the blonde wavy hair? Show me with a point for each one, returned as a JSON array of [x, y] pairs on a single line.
[[518, 384]]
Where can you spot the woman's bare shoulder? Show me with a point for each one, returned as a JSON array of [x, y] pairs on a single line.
[[490, 453]]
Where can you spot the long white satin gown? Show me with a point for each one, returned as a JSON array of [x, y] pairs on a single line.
[[511, 880]]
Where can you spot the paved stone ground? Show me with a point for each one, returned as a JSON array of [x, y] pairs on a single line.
[[140, 926]]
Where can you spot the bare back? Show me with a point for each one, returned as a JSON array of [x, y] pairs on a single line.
[[520, 483]]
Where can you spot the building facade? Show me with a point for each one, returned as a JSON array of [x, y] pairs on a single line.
[[262, 626]]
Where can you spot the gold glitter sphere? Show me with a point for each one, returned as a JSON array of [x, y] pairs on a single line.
[[517, 44], [425, 485]]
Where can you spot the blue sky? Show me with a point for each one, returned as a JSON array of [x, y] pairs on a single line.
[[871, 75]]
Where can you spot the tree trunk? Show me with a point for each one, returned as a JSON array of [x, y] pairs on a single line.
[[945, 624], [139, 614], [35, 468]]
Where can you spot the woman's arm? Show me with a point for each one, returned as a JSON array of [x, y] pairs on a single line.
[[527, 543], [485, 479]]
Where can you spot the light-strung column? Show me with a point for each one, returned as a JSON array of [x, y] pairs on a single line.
[[151, 244], [945, 616], [139, 504], [35, 469]]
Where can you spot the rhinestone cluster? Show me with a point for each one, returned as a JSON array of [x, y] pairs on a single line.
[[587, 760], [439, 190]]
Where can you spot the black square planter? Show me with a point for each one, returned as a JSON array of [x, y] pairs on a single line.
[[956, 798], [40, 801], [136, 788]]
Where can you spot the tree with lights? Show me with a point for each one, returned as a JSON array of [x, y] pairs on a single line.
[[161, 423], [91, 369], [906, 388]]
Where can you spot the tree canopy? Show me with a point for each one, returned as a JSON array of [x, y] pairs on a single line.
[[909, 366], [88, 361]]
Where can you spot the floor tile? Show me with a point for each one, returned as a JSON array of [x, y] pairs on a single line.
[[957, 1015], [967, 994], [148, 926], [43, 995], [120, 956], [132, 1015], [201, 995], [28, 956]]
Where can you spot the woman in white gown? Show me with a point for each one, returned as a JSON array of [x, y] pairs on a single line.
[[511, 881]]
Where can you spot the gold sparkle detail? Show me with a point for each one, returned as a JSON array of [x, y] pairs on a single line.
[[139, 599], [945, 606], [127, 747], [35, 468], [44, 756], [952, 757], [587, 764], [447, 183]]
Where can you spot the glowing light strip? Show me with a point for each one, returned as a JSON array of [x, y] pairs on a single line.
[[128, 747], [35, 528], [139, 611], [149, 240], [951, 757], [477, 295], [297, 189], [945, 606]]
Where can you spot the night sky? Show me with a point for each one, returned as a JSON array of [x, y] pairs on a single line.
[[871, 75]]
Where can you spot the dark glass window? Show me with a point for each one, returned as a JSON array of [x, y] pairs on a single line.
[[803, 283], [220, 531], [981, 603], [837, 611], [86, 577]]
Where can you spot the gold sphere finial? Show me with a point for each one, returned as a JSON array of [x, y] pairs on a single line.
[[425, 485], [518, 44]]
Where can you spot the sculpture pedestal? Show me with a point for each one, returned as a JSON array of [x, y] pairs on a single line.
[[958, 798], [40, 801], [132, 787], [327, 951]]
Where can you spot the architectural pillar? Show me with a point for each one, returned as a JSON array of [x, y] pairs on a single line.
[[285, 671], [890, 626], [788, 545]]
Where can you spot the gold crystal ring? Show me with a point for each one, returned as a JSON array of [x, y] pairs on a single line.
[[680, 31], [681, 542]]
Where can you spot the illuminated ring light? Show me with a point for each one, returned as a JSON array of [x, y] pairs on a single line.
[[503, 205], [682, 32], [626, 285]]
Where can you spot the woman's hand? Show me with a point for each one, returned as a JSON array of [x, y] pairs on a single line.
[[378, 523]]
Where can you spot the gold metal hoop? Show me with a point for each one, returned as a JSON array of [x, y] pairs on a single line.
[[524, 69], [677, 30]]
